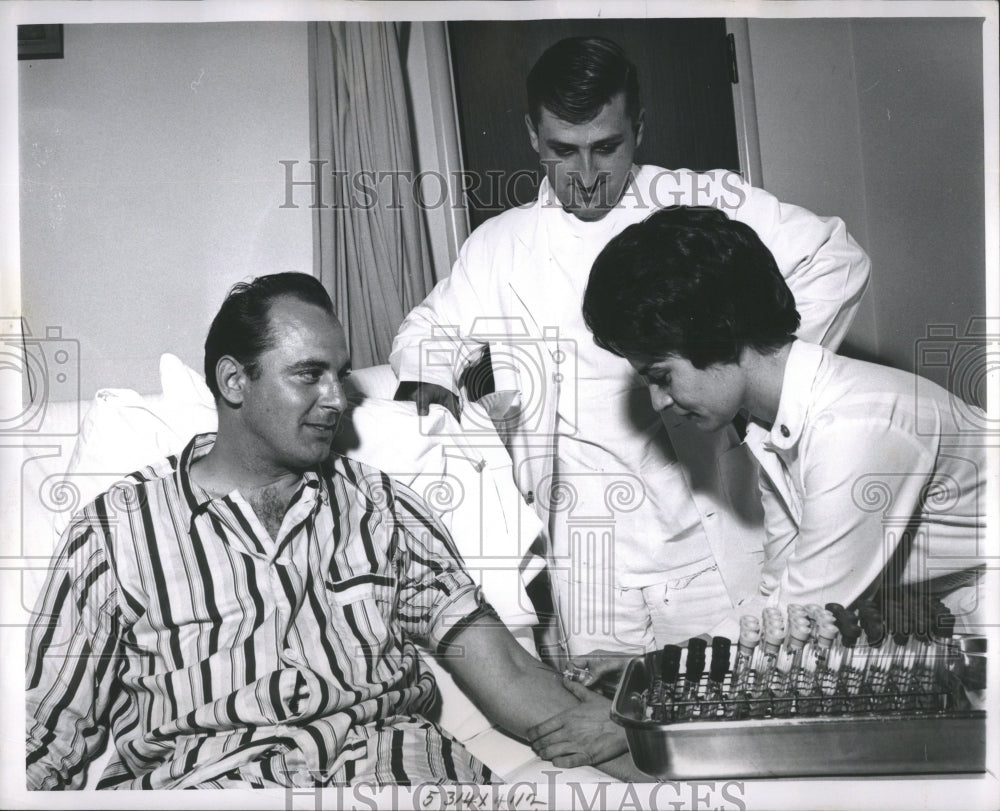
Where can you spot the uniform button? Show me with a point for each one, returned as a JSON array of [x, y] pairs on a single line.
[[785, 432]]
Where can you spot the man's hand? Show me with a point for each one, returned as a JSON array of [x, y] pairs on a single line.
[[423, 394], [580, 736]]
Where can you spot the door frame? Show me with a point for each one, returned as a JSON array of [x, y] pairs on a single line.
[[745, 104]]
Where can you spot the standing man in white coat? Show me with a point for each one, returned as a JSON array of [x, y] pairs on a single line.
[[654, 528]]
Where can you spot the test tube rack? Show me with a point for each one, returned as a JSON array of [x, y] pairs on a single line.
[[866, 733]]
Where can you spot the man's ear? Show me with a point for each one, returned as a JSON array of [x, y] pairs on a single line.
[[231, 375], [532, 132], [639, 124]]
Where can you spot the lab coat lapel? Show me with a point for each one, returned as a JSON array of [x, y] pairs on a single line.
[[531, 259]]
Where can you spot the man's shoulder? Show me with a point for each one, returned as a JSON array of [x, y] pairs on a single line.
[[651, 172], [365, 480], [135, 487], [510, 224], [138, 486], [113, 513], [375, 485]]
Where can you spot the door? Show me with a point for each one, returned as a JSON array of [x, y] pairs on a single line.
[[684, 81]]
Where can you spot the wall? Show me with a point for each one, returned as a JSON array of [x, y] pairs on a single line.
[[920, 102], [150, 183], [880, 122]]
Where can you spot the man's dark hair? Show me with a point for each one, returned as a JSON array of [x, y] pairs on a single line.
[[242, 328], [577, 76], [688, 282]]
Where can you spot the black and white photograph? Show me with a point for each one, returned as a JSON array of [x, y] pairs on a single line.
[[500, 405]]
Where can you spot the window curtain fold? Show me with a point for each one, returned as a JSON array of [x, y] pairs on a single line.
[[370, 239]]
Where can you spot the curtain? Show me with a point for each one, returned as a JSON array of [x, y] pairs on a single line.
[[370, 235]]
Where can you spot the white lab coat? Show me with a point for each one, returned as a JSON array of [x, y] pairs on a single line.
[[492, 297], [869, 474]]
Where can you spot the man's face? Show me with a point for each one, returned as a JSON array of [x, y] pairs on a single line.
[[290, 411], [708, 397], [588, 164]]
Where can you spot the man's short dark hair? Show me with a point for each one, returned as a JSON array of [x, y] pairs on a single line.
[[688, 282], [242, 328], [577, 76]]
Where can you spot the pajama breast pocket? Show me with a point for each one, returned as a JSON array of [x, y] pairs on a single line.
[[365, 613]]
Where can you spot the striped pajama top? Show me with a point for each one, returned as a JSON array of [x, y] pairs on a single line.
[[217, 656]]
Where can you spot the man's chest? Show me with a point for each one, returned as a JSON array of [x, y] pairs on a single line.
[[222, 598]]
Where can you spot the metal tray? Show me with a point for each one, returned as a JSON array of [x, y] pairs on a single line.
[[943, 742]]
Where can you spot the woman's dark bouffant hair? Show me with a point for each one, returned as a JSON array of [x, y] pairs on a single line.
[[688, 282], [242, 329]]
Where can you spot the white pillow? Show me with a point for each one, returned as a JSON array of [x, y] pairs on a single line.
[[121, 432], [184, 388], [375, 381], [124, 431]]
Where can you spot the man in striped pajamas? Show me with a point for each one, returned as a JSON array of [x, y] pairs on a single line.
[[245, 614]]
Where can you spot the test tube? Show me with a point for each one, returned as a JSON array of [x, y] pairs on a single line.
[[814, 611], [799, 680], [670, 664], [824, 679], [693, 671], [850, 673], [901, 671], [742, 671], [876, 682], [927, 698], [774, 635], [787, 675], [714, 704], [949, 657]]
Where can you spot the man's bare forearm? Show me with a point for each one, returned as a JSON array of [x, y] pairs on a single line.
[[516, 692]]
